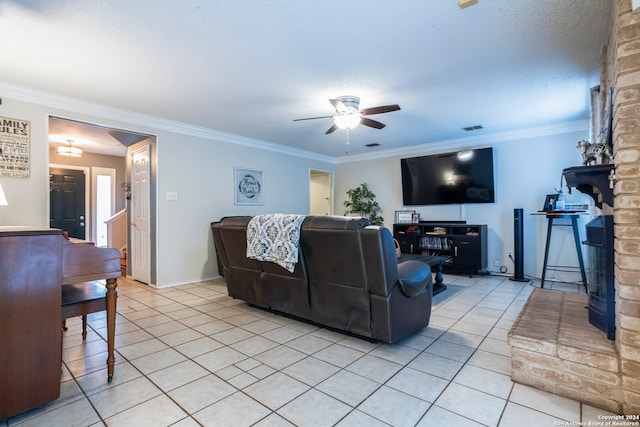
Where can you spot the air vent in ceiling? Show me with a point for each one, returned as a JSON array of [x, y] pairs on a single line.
[[474, 127]]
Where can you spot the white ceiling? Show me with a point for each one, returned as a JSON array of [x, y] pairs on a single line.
[[250, 67]]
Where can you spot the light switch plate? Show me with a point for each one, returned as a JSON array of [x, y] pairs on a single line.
[[172, 195]]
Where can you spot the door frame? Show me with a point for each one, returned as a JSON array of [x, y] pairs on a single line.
[[89, 220]]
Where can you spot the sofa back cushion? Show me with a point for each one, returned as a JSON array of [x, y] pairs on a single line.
[[338, 285]]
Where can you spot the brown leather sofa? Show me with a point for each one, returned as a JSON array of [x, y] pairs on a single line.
[[347, 277]]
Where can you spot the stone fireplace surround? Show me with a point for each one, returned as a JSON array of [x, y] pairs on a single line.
[[553, 345]]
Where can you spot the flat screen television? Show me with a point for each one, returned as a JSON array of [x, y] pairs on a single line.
[[450, 178]]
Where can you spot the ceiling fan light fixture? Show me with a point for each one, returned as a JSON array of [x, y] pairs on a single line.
[[348, 120], [69, 151]]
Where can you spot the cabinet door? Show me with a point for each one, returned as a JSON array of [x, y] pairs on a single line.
[[466, 251]]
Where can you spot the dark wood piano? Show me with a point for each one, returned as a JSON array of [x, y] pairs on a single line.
[[34, 264]]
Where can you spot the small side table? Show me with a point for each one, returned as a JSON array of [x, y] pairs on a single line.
[[551, 217]]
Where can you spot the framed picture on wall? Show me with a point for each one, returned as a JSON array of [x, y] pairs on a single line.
[[248, 186]]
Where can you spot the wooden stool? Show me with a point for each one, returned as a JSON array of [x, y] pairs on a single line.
[[80, 299]]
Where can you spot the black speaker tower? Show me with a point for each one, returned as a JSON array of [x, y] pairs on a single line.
[[518, 249]]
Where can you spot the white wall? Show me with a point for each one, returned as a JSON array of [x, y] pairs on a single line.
[[194, 162], [527, 166]]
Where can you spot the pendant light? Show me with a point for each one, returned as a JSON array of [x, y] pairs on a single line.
[[69, 151]]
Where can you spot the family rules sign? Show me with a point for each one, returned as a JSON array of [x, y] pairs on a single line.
[[14, 147]]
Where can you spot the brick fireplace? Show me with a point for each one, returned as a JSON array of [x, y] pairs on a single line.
[[565, 354]]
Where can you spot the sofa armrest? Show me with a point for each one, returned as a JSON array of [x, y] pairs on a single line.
[[414, 277]]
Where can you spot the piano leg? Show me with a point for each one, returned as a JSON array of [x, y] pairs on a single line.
[[111, 297]]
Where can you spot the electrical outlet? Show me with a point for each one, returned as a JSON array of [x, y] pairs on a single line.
[[172, 195], [496, 263]]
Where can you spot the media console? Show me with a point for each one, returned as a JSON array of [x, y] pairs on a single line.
[[463, 245]]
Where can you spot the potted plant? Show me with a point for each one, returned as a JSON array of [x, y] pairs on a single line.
[[361, 201]]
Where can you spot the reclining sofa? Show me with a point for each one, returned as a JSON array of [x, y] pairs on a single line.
[[347, 277]]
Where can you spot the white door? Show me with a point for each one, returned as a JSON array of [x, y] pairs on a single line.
[[140, 198], [320, 192]]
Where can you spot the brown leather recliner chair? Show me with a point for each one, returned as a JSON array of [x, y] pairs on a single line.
[[347, 277]]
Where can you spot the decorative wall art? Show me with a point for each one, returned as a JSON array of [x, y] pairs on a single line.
[[14, 147], [249, 186]]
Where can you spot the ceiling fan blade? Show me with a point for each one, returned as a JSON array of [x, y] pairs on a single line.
[[332, 129], [313, 118], [380, 110], [371, 123]]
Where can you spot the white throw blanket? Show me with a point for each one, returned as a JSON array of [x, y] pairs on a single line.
[[274, 238]]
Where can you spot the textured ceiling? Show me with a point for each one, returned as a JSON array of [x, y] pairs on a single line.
[[250, 67]]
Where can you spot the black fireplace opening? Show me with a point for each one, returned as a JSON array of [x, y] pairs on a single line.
[[600, 285]]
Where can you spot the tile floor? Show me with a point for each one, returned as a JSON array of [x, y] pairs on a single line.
[[190, 355]]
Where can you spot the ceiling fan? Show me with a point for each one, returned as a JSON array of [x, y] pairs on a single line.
[[348, 115]]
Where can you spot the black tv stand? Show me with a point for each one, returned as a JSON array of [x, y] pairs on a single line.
[[463, 245]]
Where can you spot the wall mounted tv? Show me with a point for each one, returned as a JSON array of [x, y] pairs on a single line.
[[450, 178]]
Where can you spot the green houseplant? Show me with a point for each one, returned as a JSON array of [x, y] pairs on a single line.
[[361, 201]]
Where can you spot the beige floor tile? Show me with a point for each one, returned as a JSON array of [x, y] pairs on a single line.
[[491, 361], [493, 345], [548, 403], [284, 334], [462, 338], [339, 355], [273, 420], [237, 410], [142, 348], [157, 412], [476, 405], [165, 328], [178, 375], [231, 336], [311, 371], [260, 326], [394, 407], [348, 387], [133, 337], [447, 349], [395, 353], [436, 365], [516, 415], [219, 359], [490, 382], [180, 337], [78, 413], [152, 320], [359, 419], [437, 416], [418, 384], [276, 390], [201, 393], [124, 396], [280, 357], [212, 327], [314, 409], [198, 347], [198, 319], [374, 368], [96, 382], [242, 319]]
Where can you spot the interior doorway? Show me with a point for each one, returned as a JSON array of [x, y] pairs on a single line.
[[105, 154], [320, 192]]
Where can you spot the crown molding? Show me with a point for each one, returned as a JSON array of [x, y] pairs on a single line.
[[101, 111], [469, 142]]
